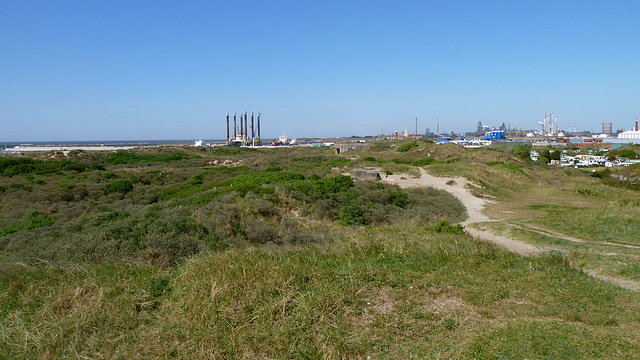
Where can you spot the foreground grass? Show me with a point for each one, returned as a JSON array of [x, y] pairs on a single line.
[[183, 266], [390, 293]]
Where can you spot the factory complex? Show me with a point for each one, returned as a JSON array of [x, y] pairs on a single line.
[[246, 131]]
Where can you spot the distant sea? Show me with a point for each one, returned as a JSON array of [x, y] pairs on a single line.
[[112, 143]]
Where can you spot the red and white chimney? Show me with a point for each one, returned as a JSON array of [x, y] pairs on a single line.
[[636, 124]]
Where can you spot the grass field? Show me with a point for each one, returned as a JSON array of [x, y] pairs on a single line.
[[165, 253]]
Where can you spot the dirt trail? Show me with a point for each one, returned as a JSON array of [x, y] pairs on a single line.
[[459, 187]]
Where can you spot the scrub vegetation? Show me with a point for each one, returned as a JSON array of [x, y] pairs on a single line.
[[226, 252]]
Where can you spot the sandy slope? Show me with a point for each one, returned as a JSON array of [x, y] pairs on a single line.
[[459, 187]]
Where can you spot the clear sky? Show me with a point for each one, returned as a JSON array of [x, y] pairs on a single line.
[[141, 70]]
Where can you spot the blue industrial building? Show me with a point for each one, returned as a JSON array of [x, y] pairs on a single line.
[[494, 135]]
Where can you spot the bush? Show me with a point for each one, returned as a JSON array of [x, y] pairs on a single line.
[[22, 166], [258, 231], [126, 157], [403, 161], [443, 226], [352, 215], [398, 198], [20, 187], [196, 179], [273, 168], [408, 146], [118, 186], [369, 158], [424, 161], [34, 221]]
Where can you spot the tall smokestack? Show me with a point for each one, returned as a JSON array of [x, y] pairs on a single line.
[[227, 127], [636, 124], [258, 128], [241, 128], [246, 131], [253, 133], [235, 126]]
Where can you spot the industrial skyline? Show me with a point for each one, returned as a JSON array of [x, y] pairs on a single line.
[[122, 70]]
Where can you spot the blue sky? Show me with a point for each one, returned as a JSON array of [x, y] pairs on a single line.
[[86, 70]]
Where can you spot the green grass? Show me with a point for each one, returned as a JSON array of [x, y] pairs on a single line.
[[373, 297], [279, 256], [516, 168]]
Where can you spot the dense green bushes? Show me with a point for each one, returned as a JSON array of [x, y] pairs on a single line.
[[11, 166], [627, 152], [126, 157], [118, 186], [171, 213]]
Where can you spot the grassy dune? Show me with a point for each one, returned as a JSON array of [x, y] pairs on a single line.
[[279, 257]]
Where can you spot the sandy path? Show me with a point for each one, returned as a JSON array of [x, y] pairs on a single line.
[[460, 189], [458, 186]]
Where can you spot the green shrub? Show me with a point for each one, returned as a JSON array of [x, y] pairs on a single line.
[[408, 146], [126, 157], [118, 186], [398, 198], [11, 166], [600, 174], [138, 179], [443, 226], [403, 161], [196, 179], [258, 231], [369, 158], [424, 161], [20, 187], [35, 220], [352, 215], [628, 152]]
